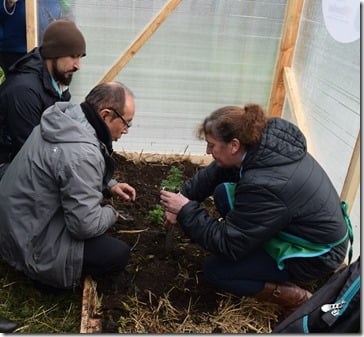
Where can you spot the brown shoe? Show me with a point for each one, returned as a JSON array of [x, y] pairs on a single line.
[[287, 295]]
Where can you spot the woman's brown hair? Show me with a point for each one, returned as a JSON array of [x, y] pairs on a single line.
[[229, 122]]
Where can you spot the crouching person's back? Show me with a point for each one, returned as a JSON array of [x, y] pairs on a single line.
[[52, 222]]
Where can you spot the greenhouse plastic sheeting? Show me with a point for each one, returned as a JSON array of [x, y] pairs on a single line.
[[327, 73], [212, 53], [206, 54]]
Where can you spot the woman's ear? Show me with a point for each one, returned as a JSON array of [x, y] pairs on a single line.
[[235, 145]]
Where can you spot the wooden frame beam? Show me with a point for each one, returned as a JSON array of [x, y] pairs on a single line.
[[294, 101], [140, 40], [287, 46], [31, 20], [352, 180]]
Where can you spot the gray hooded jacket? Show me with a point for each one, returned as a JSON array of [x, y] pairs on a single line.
[[50, 198]]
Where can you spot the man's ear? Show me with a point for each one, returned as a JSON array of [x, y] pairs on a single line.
[[235, 145], [104, 113]]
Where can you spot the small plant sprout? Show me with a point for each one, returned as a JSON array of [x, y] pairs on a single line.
[[172, 183], [156, 215], [174, 180]]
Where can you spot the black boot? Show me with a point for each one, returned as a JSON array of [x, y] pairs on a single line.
[[6, 325]]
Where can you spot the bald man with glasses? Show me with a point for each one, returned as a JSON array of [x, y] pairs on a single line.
[[59, 178]]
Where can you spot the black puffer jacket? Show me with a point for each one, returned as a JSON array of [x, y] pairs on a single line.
[[25, 94], [281, 188]]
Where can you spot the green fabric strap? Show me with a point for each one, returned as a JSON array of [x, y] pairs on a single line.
[[230, 193], [284, 245], [344, 208]]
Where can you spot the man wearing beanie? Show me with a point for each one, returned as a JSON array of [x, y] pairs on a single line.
[[36, 81]]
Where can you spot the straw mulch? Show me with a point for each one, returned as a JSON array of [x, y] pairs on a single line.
[[163, 289]]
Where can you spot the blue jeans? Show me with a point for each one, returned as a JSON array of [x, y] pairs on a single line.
[[247, 276]]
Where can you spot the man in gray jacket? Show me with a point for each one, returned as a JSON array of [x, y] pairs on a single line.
[[52, 223]]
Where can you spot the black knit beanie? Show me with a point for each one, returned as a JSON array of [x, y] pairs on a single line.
[[62, 38]]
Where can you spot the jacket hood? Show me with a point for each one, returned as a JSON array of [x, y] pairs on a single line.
[[282, 143], [31, 62], [64, 122]]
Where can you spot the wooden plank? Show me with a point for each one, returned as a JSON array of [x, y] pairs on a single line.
[[287, 46], [89, 323], [352, 180], [31, 24], [294, 101], [140, 40]]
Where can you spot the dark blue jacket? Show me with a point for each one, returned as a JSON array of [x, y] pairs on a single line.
[[282, 187], [13, 29]]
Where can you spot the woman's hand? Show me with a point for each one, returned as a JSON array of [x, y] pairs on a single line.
[[124, 191], [173, 202], [170, 219]]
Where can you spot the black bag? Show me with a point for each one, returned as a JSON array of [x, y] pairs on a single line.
[[335, 307]]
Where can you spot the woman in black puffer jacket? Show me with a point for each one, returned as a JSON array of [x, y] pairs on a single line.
[[282, 219]]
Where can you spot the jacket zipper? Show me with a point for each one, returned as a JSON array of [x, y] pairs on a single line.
[[339, 307]]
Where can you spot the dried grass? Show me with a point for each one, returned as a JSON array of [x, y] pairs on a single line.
[[159, 315], [244, 315], [165, 159], [233, 315]]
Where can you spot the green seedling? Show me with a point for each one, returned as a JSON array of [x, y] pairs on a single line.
[[174, 180], [172, 183], [156, 215]]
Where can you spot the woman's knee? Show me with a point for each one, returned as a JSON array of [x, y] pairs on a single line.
[[223, 275]]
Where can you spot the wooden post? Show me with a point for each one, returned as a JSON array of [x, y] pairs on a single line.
[[294, 101], [140, 40], [31, 24], [287, 46], [352, 179]]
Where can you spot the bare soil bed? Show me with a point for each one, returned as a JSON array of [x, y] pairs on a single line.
[[163, 289]]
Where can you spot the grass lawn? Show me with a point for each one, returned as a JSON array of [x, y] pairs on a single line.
[[34, 310], [37, 311]]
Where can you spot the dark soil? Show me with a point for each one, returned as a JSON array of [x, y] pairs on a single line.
[[170, 274], [154, 269]]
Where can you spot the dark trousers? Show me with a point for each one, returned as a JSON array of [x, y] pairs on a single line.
[[247, 276], [104, 255]]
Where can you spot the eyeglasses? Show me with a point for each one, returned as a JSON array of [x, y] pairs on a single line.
[[128, 124]]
